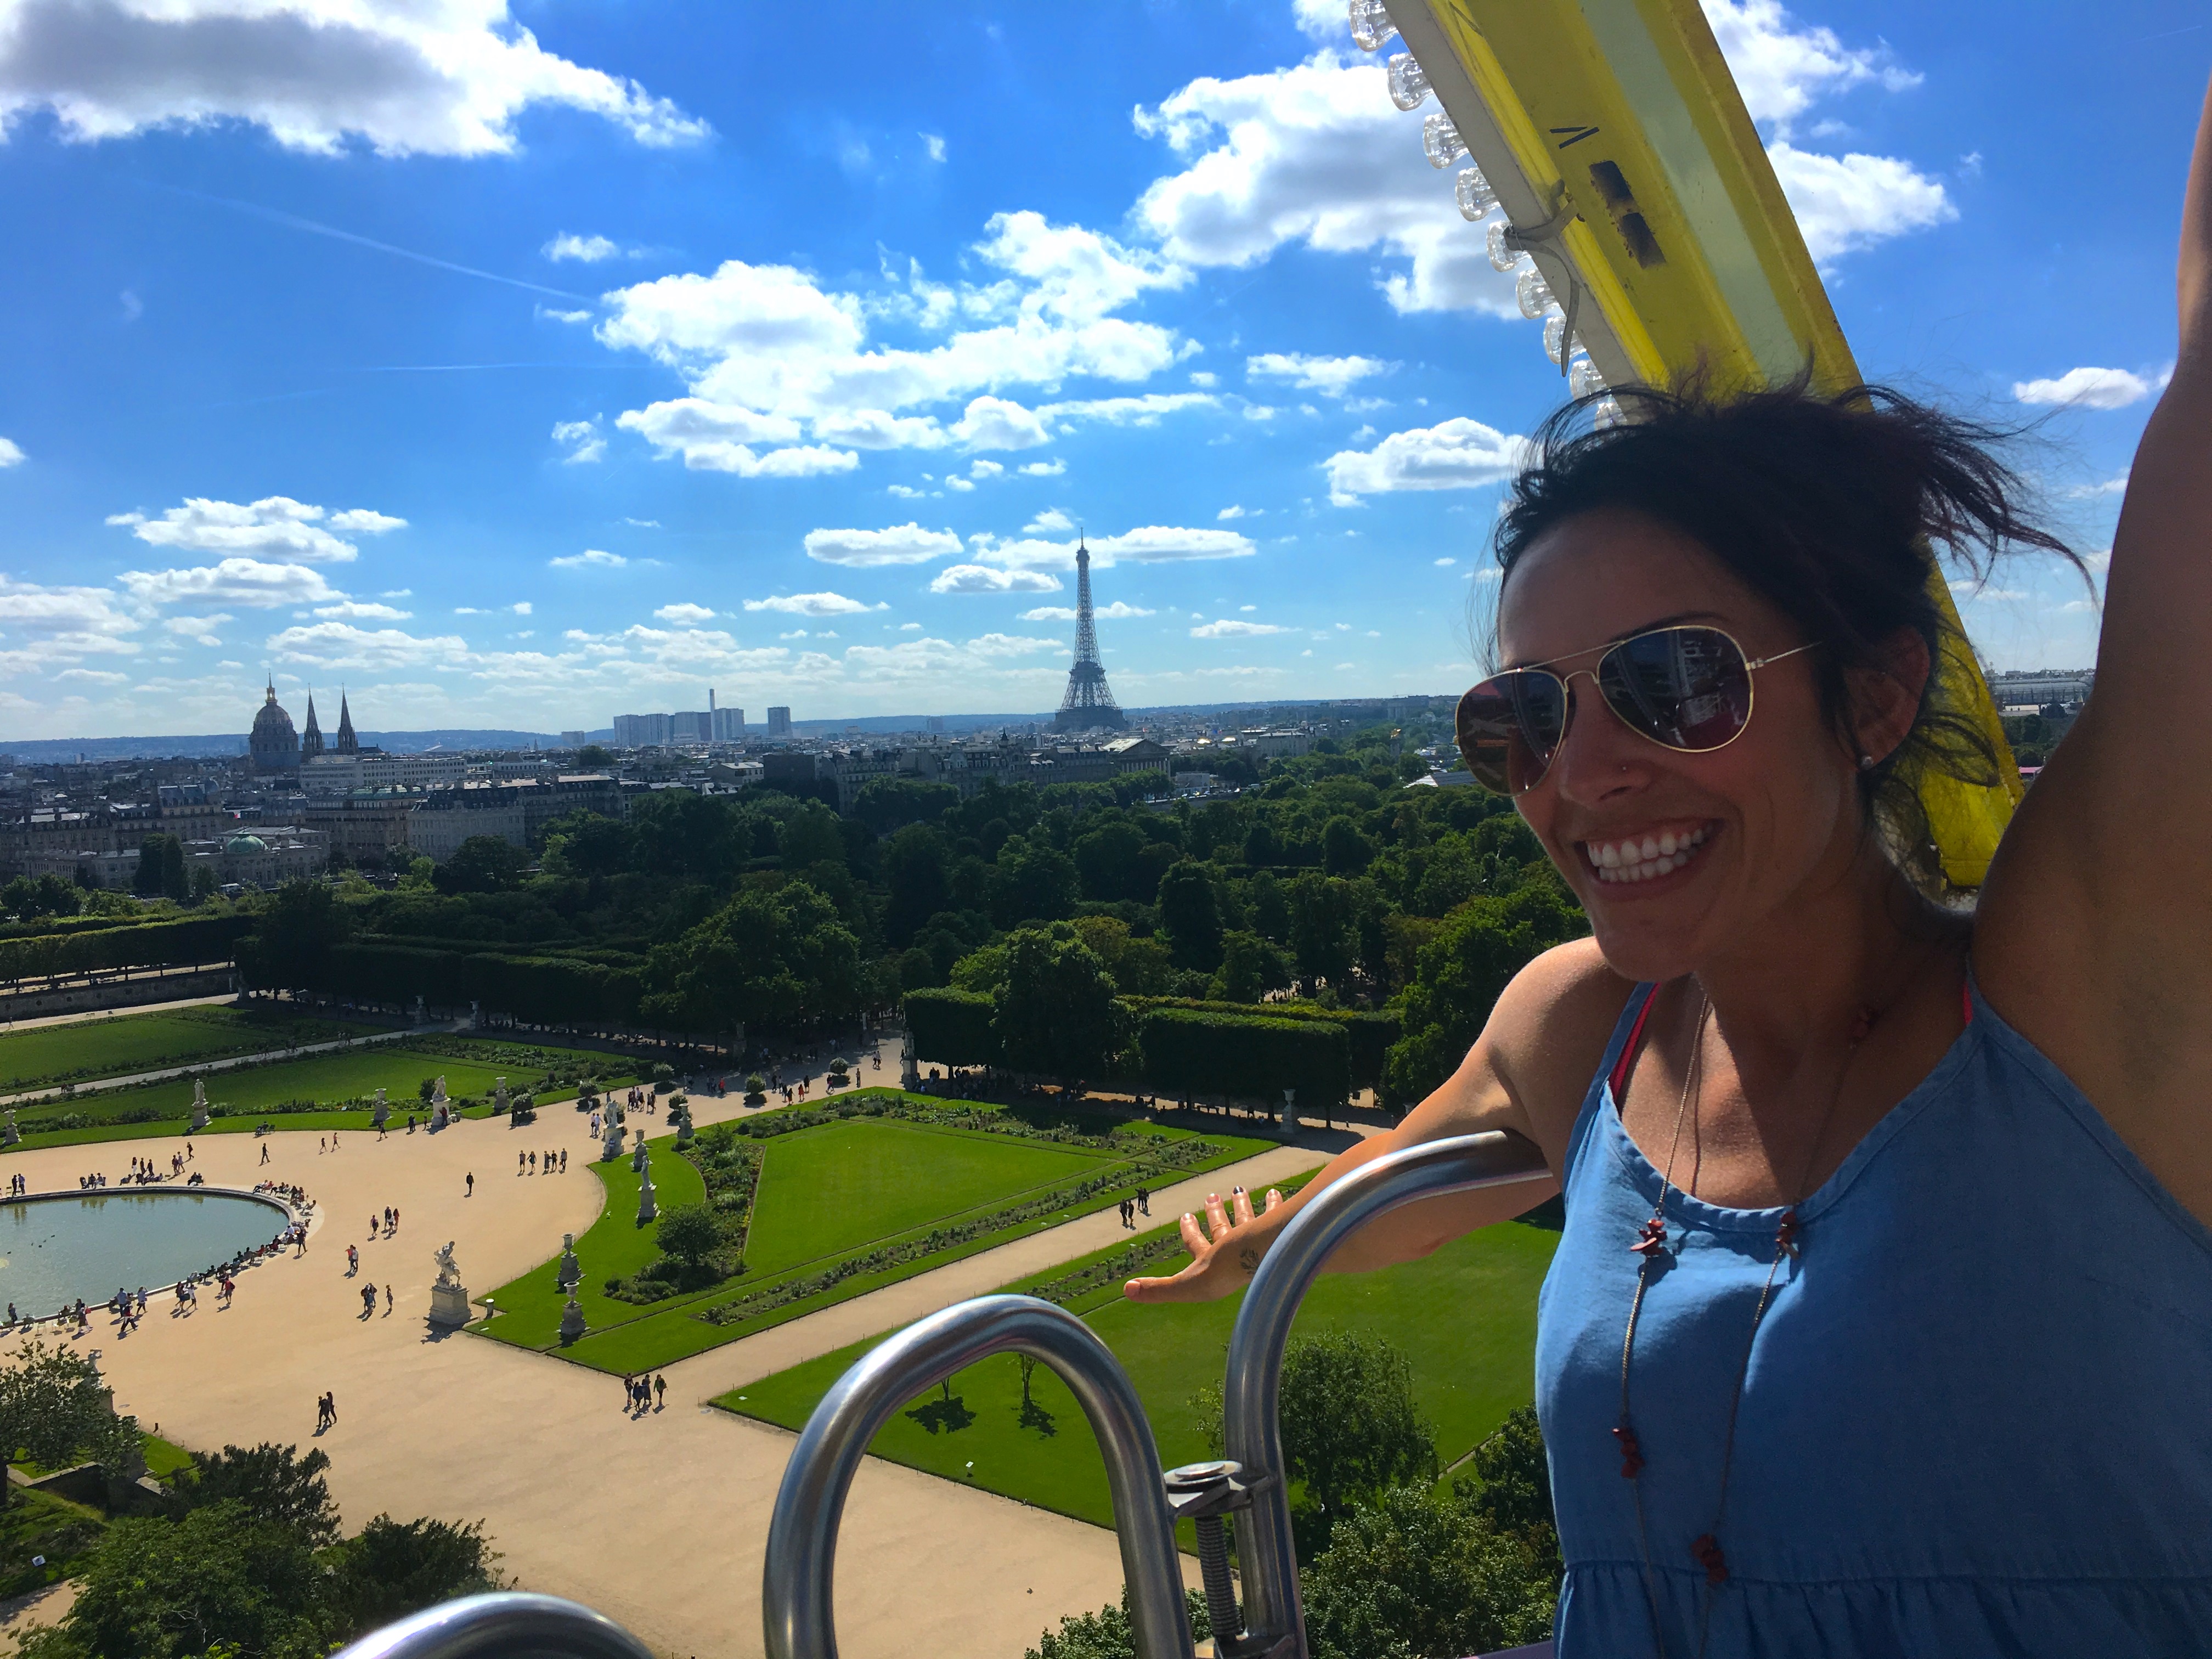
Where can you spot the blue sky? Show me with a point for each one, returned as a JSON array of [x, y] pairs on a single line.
[[524, 364]]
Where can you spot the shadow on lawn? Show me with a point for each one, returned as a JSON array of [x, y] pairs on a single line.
[[947, 1414]]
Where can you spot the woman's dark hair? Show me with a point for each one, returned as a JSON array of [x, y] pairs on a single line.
[[1830, 507]]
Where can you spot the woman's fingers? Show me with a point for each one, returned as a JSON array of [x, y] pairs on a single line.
[[1240, 1205], [1217, 1218], [1194, 1239], [1275, 1196]]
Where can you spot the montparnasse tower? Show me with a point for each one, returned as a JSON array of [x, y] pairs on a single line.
[[1088, 705]]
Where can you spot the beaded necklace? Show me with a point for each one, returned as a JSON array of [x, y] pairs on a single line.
[[1650, 1244]]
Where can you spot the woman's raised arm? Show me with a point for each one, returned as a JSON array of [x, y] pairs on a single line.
[[2095, 932]]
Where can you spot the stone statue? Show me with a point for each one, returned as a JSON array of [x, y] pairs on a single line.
[[647, 1209], [614, 1135], [572, 1320], [1290, 1124], [438, 1091], [682, 1115], [909, 1073], [11, 1136], [499, 1098], [449, 1298], [380, 1112], [637, 1158], [199, 1105], [571, 1272]]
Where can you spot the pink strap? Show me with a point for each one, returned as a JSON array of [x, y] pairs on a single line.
[[1967, 1001], [1621, 1068]]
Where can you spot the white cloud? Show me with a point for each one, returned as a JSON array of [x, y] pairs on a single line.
[[552, 315], [1051, 468], [344, 610], [1011, 645], [985, 579], [41, 627], [582, 441], [1155, 543], [521, 607], [11, 453], [589, 557], [1204, 378], [713, 437], [437, 77], [906, 543], [1851, 202], [1455, 454], [962, 485], [589, 250], [771, 342], [341, 645], [1333, 375], [934, 144], [909, 628], [94, 676], [2105, 487], [1142, 411], [396, 593], [1443, 564], [812, 604], [2091, 388], [1046, 522], [200, 631], [275, 526], [982, 469], [1117, 611], [250, 582], [1229, 628], [1782, 68], [684, 613], [644, 524], [908, 493], [1228, 512]]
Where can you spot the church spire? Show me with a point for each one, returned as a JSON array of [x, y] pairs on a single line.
[[311, 740], [347, 744]]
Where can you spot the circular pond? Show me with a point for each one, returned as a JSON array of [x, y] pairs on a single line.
[[53, 1250]]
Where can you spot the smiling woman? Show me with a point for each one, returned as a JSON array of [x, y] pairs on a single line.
[[1876, 1323]]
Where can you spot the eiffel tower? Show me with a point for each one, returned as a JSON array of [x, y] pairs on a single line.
[[1088, 705]]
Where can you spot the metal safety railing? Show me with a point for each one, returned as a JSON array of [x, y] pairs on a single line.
[[799, 1575]]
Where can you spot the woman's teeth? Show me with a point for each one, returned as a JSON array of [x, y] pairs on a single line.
[[1641, 859]]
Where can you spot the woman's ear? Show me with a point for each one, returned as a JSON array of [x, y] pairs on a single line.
[[1886, 700]]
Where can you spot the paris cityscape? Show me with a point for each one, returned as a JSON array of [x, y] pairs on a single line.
[[792, 694]]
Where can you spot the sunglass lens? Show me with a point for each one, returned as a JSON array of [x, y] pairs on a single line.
[[1509, 727], [1686, 687]]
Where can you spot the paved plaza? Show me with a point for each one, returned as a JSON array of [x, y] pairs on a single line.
[[658, 1522]]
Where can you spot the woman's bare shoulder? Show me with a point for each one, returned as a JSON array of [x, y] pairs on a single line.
[[1549, 1034]]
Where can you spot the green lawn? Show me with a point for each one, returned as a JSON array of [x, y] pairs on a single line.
[[246, 1095], [613, 1247], [828, 1190], [1465, 1317], [147, 1043], [827, 1195]]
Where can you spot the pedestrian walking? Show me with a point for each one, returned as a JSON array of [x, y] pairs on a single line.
[[352, 1259], [660, 1388], [264, 1153], [1144, 1201], [388, 1295], [368, 1300], [471, 1192]]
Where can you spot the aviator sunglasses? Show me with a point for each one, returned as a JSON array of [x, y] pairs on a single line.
[[1684, 688]]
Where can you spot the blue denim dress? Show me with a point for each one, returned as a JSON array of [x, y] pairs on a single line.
[[1978, 1417]]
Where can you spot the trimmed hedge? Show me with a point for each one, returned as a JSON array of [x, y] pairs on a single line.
[[953, 1027], [139, 945], [1369, 1035], [551, 990], [1188, 1051]]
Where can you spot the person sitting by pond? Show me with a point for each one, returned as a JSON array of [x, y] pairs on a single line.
[[1876, 1324]]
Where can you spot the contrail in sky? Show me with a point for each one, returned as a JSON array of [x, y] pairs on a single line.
[[294, 222]]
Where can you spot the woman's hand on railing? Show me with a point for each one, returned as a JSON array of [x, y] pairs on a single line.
[[1225, 1250]]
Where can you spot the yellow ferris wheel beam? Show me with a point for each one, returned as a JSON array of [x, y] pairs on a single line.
[[1614, 139]]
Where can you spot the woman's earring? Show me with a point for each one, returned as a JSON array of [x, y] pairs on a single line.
[[1866, 762]]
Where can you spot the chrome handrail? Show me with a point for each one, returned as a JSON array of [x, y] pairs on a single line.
[[796, 1590], [1274, 1622], [510, 1622]]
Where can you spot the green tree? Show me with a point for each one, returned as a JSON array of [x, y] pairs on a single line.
[[594, 757], [1344, 850], [270, 1482], [885, 805], [1110, 862], [162, 1589], [1056, 1012], [1249, 965], [1140, 967], [482, 864], [914, 862], [1459, 976], [689, 1232], [1423, 1575], [770, 956], [161, 869], [1107, 1634], [28, 897], [395, 1568], [1322, 915], [203, 884], [53, 1406], [292, 938], [1270, 910], [584, 844], [1032, 882], [1190, 917]]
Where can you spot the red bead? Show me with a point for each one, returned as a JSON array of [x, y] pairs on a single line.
[[1707, 1549]]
